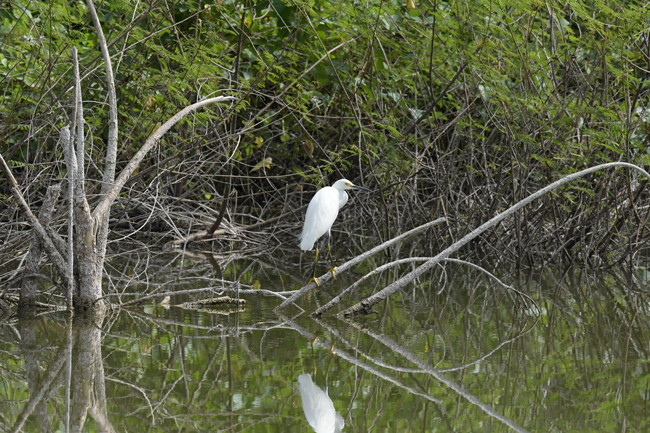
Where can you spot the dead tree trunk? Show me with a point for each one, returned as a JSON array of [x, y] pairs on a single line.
[[29, 286], [90, 230]]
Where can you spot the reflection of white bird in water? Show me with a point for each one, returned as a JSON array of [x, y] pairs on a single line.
[[318, 407]]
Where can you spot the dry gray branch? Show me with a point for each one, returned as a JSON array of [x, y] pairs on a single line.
[[101, 211], [111, 145], [48, 245], [328, 276], [205, 235], [71, 166], [367, 304]]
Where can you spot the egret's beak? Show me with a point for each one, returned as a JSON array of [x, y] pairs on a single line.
[[361, 188]]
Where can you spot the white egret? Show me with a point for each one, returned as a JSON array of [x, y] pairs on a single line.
[[318, 407], [321, 213]]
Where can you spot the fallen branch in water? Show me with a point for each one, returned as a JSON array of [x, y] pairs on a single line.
[[193, 291], [322, 310], [344, 267], [366, 305]]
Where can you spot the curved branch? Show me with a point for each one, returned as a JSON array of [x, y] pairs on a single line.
[[107, 200], [325, 308], [367, 304], [322, 310], [354, 261]]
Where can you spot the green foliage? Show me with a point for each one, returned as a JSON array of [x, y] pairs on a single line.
[[458, 90]]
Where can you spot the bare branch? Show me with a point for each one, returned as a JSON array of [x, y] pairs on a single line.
[[367, 304], [101, 227], [78, 126], [77, 160], [111, 146], [51, 251], [72, 171], [28, 288], [101, 211], [354, 261], [206, 235]]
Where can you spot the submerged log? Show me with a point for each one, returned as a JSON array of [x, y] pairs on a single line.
[[213, 302]]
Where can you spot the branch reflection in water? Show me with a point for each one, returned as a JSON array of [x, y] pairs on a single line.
[[443, 360], [318, 407]]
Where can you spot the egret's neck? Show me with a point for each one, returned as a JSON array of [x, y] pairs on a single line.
[[343, 198]]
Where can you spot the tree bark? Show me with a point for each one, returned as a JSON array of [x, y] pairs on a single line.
[[28, 290]]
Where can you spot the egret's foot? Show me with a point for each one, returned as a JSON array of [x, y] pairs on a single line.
[[315, 280], [314, 340], [332, 349], [333, 274]]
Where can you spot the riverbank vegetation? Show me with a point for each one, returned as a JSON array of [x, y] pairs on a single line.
[[505, 142], [456, 109]]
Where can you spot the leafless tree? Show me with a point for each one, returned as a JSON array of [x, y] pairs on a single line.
[[81, 271]]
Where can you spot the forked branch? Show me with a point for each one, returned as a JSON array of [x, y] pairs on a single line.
[[107, 200]]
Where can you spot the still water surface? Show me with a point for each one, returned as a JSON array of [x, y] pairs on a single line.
[[455, 352]]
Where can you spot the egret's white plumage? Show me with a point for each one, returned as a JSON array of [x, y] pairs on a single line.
[[318, 407], [323, 210]]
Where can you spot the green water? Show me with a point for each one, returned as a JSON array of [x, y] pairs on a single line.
[[454, 352]]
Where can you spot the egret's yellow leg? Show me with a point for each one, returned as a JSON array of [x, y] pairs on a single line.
[[314, 271], [329, 250]]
